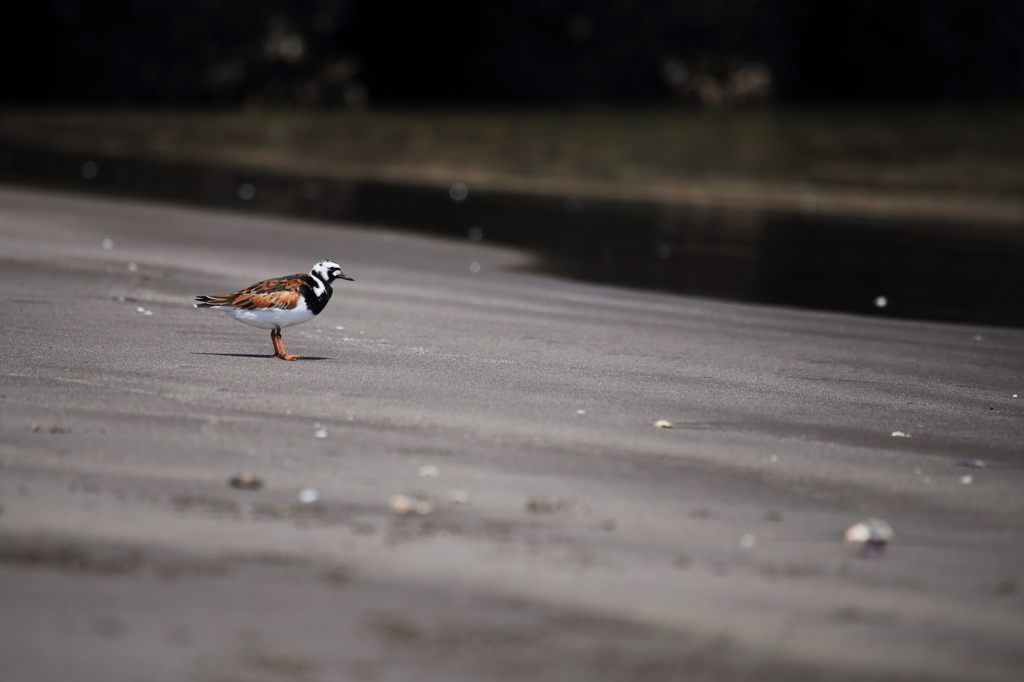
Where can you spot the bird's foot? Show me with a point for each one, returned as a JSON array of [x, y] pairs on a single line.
[[275, 336]]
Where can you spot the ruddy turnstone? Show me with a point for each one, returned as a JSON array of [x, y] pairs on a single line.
[[277, 303]]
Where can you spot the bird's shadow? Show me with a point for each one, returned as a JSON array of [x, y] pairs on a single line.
[[255, 355]]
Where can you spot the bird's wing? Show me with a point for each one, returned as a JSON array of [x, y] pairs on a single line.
[[282, 292], [271, 286]]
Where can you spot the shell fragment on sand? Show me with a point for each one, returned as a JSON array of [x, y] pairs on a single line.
[[403, 504], [877, 531], [428, 471]]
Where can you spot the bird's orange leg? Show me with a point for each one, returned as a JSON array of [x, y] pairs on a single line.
[[275, 336]]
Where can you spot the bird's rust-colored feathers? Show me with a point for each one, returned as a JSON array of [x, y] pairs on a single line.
[[282, 292]]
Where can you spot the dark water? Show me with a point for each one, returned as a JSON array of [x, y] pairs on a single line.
[[953, 272]]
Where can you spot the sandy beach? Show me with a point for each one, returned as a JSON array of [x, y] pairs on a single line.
[[550, 532]]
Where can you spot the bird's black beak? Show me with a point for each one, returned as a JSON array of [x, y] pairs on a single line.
[[342, 275]]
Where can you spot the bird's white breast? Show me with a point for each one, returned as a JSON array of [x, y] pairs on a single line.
[[270, 318]]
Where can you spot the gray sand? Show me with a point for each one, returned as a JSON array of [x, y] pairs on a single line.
[[566, 539]]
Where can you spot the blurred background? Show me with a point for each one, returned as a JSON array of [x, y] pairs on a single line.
[[330, 53], [850, 155]]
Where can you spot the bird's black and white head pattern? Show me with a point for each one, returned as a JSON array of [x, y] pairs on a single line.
[[325, 272]]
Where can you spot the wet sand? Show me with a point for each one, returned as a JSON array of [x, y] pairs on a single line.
[[565, 537]]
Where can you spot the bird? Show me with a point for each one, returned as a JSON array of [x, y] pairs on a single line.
[[281, 302]]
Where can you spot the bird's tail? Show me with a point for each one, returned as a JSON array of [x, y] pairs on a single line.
[[213, 301]]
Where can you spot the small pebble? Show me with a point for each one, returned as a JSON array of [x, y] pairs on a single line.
[[402, 504], [663, 424], [459, 496], [308, 495], [747, 541], [429, 471], [971, 463], [581, 411], [320, 433], [966, 479], [900, 434], [246, 481]]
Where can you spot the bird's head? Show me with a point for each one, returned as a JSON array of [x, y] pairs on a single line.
[[328, 271]]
